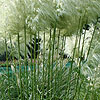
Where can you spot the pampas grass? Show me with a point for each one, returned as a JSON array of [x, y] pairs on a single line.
[[48, 77]]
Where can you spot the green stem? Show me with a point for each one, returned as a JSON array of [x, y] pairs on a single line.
[[43, 63], [81, 23], [38, 58], [49, 63], [32, 70], [19, 66], [25, 61], [38, 65], [11, 55], [91, 40], [53, 47], [35, 84], [7, 68], [58, 75]]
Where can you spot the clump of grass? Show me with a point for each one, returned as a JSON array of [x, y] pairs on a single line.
[[48, 77]]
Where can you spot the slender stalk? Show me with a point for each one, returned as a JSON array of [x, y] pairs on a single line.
[[43, 62], [25, 61], [38, 57], [58, 75], [91, 40], [35, 84], [11, 47], [62, 51], [79, 47], [53, 47], [19, 66], [38, 65], [49, 56], [25, 58], [11, 55], [7, 68], [32, 71]]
